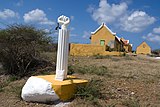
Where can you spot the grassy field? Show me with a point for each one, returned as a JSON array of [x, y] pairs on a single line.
[[127, 81]]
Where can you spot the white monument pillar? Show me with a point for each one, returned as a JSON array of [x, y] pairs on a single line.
[[62, 53]]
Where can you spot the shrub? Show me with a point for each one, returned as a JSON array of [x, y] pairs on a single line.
[[71, 70], [131, 103], [92, 69], [102, 56], [90, 92], [20, 47]]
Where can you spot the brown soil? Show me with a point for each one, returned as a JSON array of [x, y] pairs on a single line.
[[133, 82]]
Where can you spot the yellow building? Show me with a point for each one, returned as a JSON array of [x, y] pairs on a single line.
[[126, 45], [105, 37], [143, 48]]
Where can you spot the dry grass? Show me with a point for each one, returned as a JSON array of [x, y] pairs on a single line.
[[131, 78], [130, 82]]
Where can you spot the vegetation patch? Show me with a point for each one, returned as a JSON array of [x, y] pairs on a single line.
[[131, 103], [16, 90], [91, 69], [20, 48], [6, 82], [91, 92], [101, 56]]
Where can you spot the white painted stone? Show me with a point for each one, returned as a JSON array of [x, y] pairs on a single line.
[[62, 53], [157, 57], [38, 90]]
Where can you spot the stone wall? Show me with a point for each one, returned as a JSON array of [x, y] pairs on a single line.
[[90, 50]]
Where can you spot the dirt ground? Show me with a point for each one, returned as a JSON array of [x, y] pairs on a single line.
[[132, 81]]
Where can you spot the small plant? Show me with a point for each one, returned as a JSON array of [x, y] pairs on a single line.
[[131, 103], [115, 59], [102, 56], [70, 70], [7, 81], [16, 90], [1, 88], [111, 105], [12, 78], [124, 54], [128, 58], [92, 69], [76, 68], [2, 85], [102, 70], [90, 92]]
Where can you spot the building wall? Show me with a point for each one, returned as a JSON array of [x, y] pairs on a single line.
[[143, 49], [90, 50], [85, 49], [126, 48], [129, 48], [118, 45], [103, 34]]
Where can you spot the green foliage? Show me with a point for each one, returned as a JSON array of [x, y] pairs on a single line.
[[1, 88], [127, 57], [124, 54], [20, 47], [12, 78], [131, 103], [92, 69], [102, 56], [71, 70], [17, 89], [7, 81], [91, 92]]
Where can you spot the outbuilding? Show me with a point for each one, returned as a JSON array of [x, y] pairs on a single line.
[[143, 48]]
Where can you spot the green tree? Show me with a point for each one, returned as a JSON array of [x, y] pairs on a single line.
[[20, 47]]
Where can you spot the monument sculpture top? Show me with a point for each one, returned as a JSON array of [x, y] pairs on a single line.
[[62, 53], [63, 21]]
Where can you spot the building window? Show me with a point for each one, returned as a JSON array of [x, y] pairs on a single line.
[[102, 42]]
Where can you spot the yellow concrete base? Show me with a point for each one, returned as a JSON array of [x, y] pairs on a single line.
[[64, 89]]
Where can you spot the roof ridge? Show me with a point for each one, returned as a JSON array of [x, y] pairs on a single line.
[[103, 24]]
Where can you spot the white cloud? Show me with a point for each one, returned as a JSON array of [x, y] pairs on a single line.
[[156, 30], [152, 37], [91, 8], [107, 13], [19, 3], [86, 34], [7, 13], [37, 16], [118, 15], [136, 22]]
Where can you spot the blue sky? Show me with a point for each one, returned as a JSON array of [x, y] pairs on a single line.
[[136, 20]]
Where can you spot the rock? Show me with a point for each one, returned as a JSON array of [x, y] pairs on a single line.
[[38, 90], [132, 93]]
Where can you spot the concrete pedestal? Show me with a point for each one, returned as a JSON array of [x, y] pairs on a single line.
[[62, 90]]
